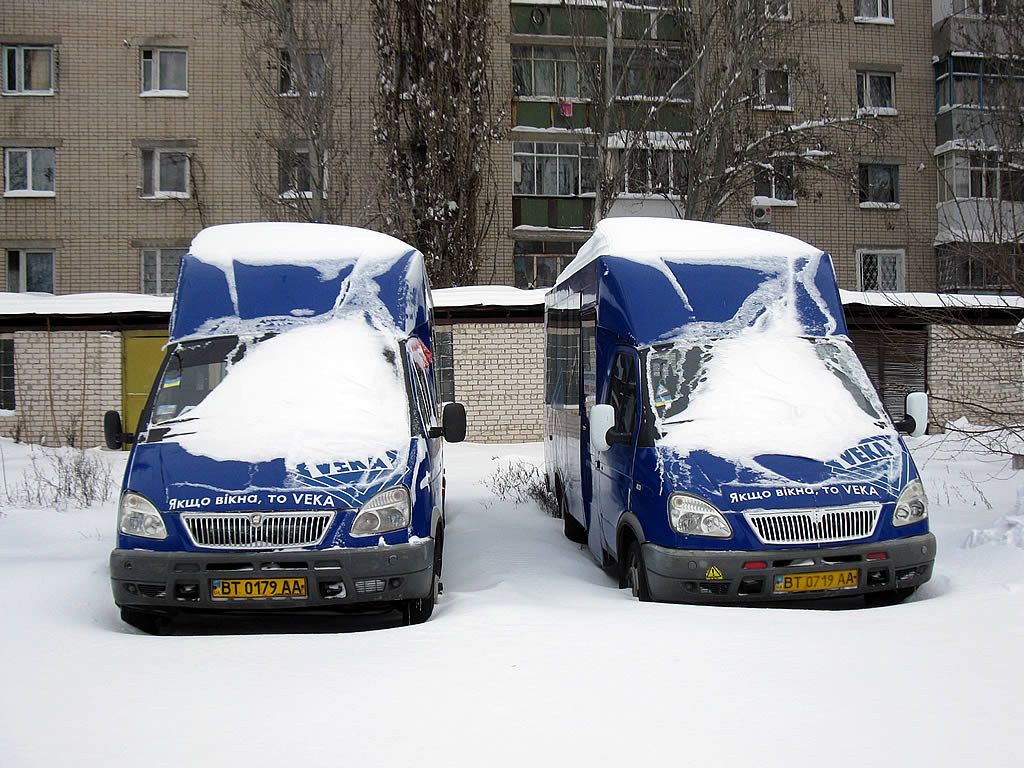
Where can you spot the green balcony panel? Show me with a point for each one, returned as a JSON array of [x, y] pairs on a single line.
[[534, 211], [570, 213], [675, 117], [561, 24], [533, 114]]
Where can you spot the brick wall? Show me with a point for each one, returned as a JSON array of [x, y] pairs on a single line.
[[971, 373], [499, 377], [64, 382]]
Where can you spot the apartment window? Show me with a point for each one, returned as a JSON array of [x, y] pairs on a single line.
[[872, 9], [165, 173], [295, 173], [972, 81], [879, 185], [29, 172], [978, 266], [980, 7], [309, 74], [7, 373], [30, 270], [28, 69], [160, 269], [444, 365], [773, 88], [979, 175], [545, 72], [164, 71], [876, 92], [659, 171], [550, 169], [880, 269], [650, 73], [775, 180], [538, 263], [780, 10]]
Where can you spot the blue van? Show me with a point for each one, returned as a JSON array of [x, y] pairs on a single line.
[[289, 455], [709, 431]]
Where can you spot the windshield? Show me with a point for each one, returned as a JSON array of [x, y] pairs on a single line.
[[191, 373], [676, 372]]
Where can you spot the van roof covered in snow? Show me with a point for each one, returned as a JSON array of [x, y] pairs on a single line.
[[659, 279], [250, 279]]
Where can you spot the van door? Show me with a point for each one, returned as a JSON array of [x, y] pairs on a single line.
[[613, 469]]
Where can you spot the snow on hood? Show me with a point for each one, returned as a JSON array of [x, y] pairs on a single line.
[[766, 391], [326, 392]]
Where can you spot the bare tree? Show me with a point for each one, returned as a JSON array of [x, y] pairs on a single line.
[[297, 153], [699, 99], [436, 124]]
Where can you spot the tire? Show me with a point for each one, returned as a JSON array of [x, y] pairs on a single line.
[[634, 574], [571, 527], [892, 597], [418, 610]]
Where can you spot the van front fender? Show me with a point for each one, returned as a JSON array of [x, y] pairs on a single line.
[[629, 525]]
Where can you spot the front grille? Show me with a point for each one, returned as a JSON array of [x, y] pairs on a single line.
[[814, 526], [256, 530]]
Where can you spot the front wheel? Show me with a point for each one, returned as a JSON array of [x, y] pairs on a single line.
[[419, 609], [634, 573]]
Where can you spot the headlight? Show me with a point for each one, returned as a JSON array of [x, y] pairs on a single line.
[[138, 517], [912, 505], [692, 516], [387, 511]]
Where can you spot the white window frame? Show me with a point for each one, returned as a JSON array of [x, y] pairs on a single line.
[[778, 10], [895, 203], [659, 166], [154, 73], [30, 161], [299, 194], [565, 67], [762, 88], [285, 66], [583, 157], [774, 174], [159, 255], [898, 261], [22, 271], [864, 105], [154, 160], [882, 13], [19, 70]]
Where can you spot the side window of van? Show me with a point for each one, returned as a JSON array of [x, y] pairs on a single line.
[[623, 392]]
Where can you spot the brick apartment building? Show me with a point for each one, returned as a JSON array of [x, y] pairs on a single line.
[[129, 125]]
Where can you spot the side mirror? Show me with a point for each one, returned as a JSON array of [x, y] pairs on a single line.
[[602, 419], [112, 434], [915, 423], [453, 422]]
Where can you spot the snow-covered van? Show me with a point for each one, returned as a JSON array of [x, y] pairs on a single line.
[[289, 455], [710, 432]]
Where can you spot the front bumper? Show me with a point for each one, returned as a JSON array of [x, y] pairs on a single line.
[[336, 578], [702, 576]]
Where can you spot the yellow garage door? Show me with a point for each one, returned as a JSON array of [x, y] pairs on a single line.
[[142, 353]]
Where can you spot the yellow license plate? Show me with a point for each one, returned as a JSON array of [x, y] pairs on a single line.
[[254, 589], [817, 582]]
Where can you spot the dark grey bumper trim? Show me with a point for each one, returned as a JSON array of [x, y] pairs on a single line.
[[172, 581], [703, 576]]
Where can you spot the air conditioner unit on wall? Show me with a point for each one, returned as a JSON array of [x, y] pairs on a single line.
[[761, 214]]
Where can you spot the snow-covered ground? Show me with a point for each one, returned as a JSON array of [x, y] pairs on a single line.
[[533, 657]]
